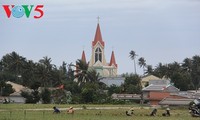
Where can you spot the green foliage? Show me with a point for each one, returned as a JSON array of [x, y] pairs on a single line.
[[114, 113], [89, 93], [181, 80], [5, 89], [46, 96], [132, 84], [88, 89], [114, 89], [32, 97]]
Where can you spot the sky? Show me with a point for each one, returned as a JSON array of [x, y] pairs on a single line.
[[161, 31]]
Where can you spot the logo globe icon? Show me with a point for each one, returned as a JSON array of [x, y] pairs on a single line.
[[18, 11]]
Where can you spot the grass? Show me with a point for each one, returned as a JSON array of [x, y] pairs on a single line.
[[29, 112]]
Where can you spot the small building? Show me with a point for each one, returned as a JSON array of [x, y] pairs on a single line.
[[158, 90], [145, 80], [16, 96], [126, 96]]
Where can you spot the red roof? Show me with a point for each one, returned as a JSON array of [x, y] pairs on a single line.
[[83, 58], [112, 59], [98, 37]]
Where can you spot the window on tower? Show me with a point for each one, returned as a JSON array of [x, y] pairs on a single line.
[[98, 55]]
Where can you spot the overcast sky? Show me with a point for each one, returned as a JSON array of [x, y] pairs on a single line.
[[158, 30]]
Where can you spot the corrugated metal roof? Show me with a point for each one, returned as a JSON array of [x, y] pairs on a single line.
[[154, 87], [173, 101], [168, 88]]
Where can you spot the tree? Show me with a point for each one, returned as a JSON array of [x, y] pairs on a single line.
[[174, 67], [113, 89], [181, 81], [195, 74], [89, 93], [32, 97], [46, 96], [81, 72], [44, 71], [187, 65], [130, 81], [160, 70], [142, 63], [133, 55], [13, 64], [5, 89], [93, 76], [29, 76], [149, 70]]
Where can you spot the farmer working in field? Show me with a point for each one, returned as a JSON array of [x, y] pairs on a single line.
[[153, 113], [56, 110], [129, 112], [70, 110], [167, 113]]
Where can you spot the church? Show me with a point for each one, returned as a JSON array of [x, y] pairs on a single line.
[[107, 70], [98, 60]]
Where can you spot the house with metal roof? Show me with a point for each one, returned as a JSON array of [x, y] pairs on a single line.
[[158, 90], [145, 80], [16, 96]]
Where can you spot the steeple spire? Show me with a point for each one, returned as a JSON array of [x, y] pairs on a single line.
[[98, 37], [83, 58], [112, 60]]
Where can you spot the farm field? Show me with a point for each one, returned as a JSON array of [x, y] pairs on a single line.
[[88, 112]]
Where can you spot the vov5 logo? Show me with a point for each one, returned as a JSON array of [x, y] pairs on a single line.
[[19, 11]]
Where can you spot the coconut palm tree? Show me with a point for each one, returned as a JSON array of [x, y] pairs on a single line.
[[81, 72], [187, 64], [85, 75], [149, 69], [133, 55], [93, 76], [195, 74], [142, 63], [46, 62], [14, 64], [44, 71]]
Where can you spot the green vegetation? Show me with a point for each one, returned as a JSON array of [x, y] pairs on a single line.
[[184, 75], [91, 112], [60, 85]]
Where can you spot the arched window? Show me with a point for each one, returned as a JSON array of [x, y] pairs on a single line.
[[98, 55]]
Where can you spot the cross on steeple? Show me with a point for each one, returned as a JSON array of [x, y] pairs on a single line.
[[98, 18]]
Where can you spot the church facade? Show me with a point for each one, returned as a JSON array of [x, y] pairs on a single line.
[[98, 60]]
